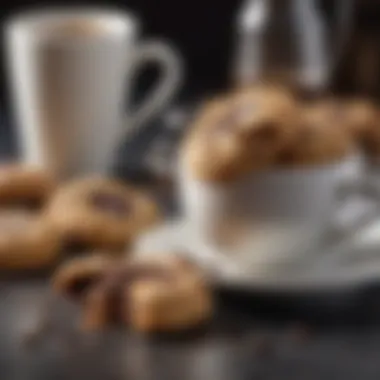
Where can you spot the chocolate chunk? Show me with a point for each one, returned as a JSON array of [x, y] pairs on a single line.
[[267, 132], [113, 299], [110, 295], [80, 285], [286, 157], [112, 203]]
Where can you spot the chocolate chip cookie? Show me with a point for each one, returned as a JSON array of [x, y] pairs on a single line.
[[27, 241], [173, 297], [365, 122], [357, 116], [319, 142], [154, 294], [100, 213], [240, 133], [362, 117], [24, 185]]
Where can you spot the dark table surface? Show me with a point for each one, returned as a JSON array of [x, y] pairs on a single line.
[[253, 335]]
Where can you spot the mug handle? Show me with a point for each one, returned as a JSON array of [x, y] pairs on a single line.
[[171, 67], [335, 251], [365, 188]]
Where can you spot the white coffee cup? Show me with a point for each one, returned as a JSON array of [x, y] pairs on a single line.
[[270, 216], [71, 73]]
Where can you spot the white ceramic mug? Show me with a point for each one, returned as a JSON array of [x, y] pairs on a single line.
[[71, 74], [269, 217]]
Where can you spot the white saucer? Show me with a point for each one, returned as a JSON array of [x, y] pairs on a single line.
[[349, 263]]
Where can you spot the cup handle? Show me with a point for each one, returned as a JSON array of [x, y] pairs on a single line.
[[171, 67], [368, 191], [336, 247], [339, 250]]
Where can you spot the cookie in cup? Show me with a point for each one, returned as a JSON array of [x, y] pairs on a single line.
[[359, 117], [277, 187], [234, 135], [323, 138]]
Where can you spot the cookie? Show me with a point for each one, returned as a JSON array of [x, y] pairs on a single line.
[[371, 145], [24, 185], [75, 276], [319, 142], [100, 213], [362, 118], [27, 241], [356, 116], [240, 133], [365, 122], [265, 118], [177, 298], [218, 158], [154, 294]]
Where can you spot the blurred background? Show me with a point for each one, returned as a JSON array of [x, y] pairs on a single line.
[[203, 32], [200, 30]]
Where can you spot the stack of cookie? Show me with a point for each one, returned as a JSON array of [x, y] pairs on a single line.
[[265, 128], [159, 294], [40, 221]]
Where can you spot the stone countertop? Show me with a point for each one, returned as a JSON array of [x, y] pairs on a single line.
[[253, 336]]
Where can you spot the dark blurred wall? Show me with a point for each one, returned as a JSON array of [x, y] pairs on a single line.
[[202, 32], [200, 29], [359, 69]]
